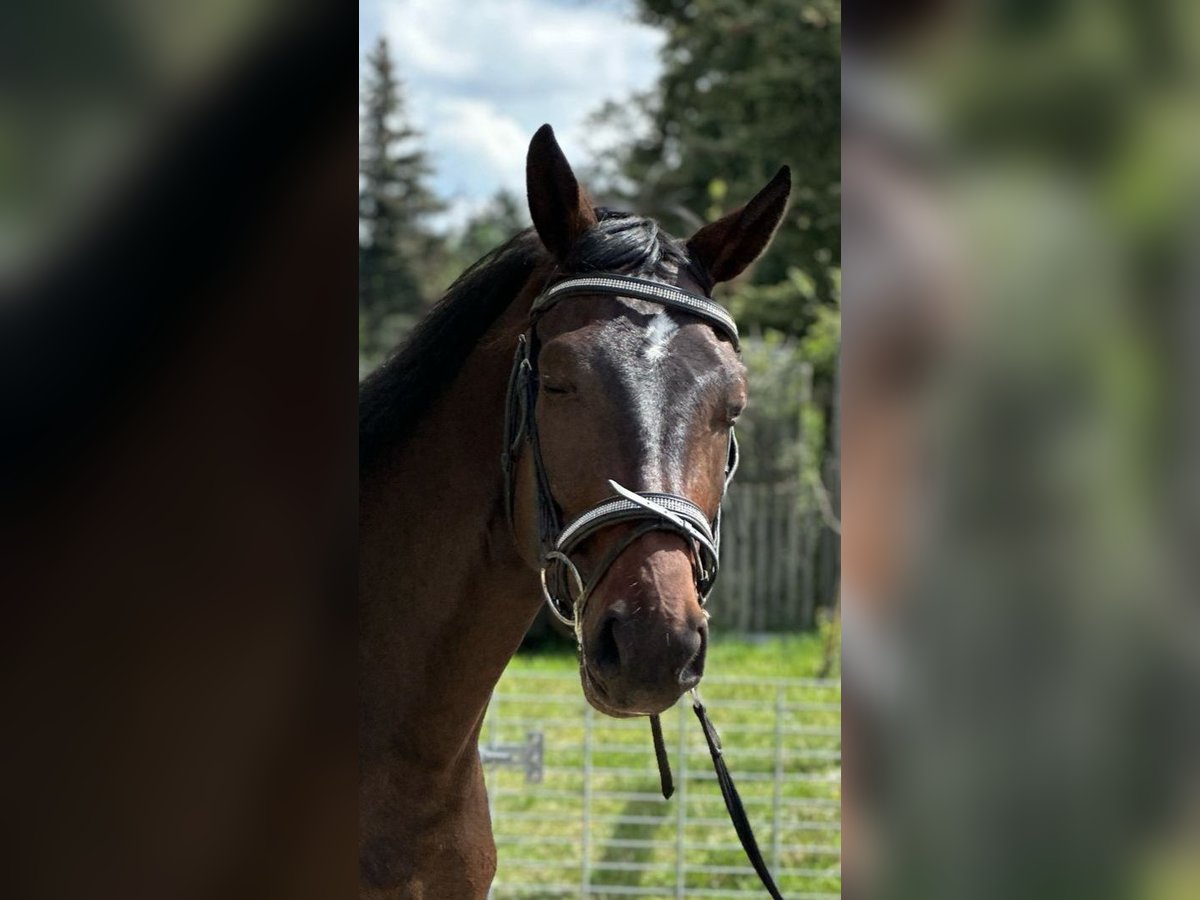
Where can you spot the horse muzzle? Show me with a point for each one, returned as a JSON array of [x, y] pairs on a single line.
[[644, 636]]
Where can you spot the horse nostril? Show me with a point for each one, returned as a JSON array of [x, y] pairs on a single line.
[[693, 669], [607, 654]]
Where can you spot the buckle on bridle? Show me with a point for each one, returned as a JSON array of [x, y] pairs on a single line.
[[577, 580]]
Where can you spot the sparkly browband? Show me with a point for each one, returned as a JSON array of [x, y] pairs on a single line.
[[639, 288]]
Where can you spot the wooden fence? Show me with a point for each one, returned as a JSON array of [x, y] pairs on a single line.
[[778, 559]]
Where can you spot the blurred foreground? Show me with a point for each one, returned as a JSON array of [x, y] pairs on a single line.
[[177, 488], [1019, 450]]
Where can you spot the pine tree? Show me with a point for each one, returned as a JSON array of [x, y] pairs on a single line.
[[394, 205]]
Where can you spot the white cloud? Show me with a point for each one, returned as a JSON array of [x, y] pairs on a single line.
[[491, 137], [483, 75]]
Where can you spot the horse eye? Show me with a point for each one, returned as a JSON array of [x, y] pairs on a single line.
[[733, 411], [557, 388]]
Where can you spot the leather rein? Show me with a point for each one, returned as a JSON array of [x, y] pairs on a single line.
[[564, 589]]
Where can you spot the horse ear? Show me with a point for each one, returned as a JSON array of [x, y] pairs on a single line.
[[559, 207], [725, 247]]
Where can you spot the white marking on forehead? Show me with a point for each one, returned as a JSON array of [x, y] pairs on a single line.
[[658, 335], [648, 388]]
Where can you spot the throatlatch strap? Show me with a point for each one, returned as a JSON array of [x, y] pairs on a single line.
[[664, 764], [733, 803]]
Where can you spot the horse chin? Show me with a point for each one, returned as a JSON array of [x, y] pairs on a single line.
[[598, 697]]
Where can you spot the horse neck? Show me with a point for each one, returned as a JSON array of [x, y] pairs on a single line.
[[444, 597]]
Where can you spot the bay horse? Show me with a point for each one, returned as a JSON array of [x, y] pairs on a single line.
[[622, 396]]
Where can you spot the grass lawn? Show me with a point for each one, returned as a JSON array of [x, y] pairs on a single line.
[[597, 817]]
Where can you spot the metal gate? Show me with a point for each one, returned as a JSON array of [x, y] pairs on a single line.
[[595, 824]]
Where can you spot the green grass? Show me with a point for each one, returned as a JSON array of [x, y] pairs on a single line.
[[633, 832]]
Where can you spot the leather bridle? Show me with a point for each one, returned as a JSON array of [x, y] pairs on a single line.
[[564, 588]]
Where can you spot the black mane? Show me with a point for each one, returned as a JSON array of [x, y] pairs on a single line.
[[624, 244], [395, 396]]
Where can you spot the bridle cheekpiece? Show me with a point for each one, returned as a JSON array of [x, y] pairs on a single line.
[[564, 588]]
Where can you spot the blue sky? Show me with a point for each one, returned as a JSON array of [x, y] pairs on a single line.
[[483, 75]]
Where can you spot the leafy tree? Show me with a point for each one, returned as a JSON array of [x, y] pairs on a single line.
[[394, 205], [746, 87]]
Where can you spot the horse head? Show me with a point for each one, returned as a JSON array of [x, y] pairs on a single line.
[[631, 398]]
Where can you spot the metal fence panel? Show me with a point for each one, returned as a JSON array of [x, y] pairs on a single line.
[[597, 826]]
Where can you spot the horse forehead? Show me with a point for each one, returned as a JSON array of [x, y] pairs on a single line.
[[657, 330], [657, 337], [658, 378], [658, 353], [641, 345]]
